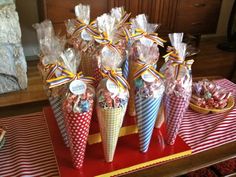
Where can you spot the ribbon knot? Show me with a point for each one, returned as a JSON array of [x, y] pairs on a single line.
[[173, 55], [147, 67], [139, 33], [104, 40], [67, 77], [115, 76], [80, 26]]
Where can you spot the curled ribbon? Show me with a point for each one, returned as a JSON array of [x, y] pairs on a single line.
[[80, 26], [67, 77], [152, 36], [115, 76], [147, 67], [52, 70], [103, 39], [172, 55]]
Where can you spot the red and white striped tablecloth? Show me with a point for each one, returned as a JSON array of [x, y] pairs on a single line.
[[202, 132], [28, 148]]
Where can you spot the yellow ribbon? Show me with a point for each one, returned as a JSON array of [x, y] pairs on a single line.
[[139, 33], [115, 76]]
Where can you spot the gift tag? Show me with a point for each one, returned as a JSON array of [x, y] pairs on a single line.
[[85, 36], [148, 77], [77, 87], [112, 87]]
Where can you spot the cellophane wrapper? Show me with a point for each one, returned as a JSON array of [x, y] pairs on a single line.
[[142, 49], [107, 25], [77, 111], [51, 47], [83, 41]]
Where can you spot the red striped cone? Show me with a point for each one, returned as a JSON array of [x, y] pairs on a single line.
[[110, 121], [175, 108], [77, 126], [147, 110], [56, 104]]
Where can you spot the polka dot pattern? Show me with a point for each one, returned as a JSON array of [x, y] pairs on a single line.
[[77, 126]]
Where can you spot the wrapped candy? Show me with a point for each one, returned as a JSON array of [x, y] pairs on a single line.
[[112, 99], [51, 47], [207, 94], [144, 48], [178, 85], [80, 32]]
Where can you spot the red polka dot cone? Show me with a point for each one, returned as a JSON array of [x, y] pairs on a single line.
[[77, 126]]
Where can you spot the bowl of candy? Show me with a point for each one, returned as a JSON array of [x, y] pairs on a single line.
[[208, 97]]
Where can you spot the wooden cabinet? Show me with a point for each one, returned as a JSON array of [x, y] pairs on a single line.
[[190, 16]]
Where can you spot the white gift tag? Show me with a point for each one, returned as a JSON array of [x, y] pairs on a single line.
[[148, 77], [85, 36], [77, 87], [112, 87]]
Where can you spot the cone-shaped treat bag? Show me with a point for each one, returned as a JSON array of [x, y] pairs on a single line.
[[51, 46], [143, 40], [108, 26], [122, 33], [178, 85], [149, 89], [112, 99], [80, 32], [78, 108]]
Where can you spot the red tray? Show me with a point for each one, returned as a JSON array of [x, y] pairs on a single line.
[[127, 157]]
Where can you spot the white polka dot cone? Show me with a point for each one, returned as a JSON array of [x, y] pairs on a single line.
[[146, 110], [175, 108], [110, 121], [77, 126], [56, 104]]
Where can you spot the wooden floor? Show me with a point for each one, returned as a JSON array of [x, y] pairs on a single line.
[[210, 62]]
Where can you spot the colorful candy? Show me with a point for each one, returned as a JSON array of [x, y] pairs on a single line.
[[207, 94]]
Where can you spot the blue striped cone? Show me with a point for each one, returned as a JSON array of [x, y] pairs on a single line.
[[125, 68], [147, 110], [56, 104]]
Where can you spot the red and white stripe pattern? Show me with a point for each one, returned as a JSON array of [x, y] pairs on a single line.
[[28, 148], [202, 132]]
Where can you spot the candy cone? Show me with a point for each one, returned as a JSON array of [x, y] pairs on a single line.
[[77, 126], [56, 104], [133, 68], [110, 121], [160, 116], [175, 108], [147, 110], [86, 64]]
